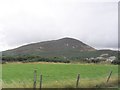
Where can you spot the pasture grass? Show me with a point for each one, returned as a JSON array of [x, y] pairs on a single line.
[[58, 75], [0, 76]]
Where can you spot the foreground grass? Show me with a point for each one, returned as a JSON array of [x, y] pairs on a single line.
[[84, 83], [0, 76], [58, 75]]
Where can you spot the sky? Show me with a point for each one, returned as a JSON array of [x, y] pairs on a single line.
[[94, 22]]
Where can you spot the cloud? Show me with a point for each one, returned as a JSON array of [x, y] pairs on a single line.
[[26, 21]]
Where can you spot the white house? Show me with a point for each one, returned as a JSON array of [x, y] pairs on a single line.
[[112, 58]]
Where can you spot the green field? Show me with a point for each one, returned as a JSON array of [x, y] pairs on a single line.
[[57, 75]]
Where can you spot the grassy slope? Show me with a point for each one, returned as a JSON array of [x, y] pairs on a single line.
[[56, 75], [72, 55]]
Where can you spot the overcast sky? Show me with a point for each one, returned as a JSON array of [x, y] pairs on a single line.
[[94, 22]]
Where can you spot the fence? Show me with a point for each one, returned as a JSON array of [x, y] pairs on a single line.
[[77, 80]]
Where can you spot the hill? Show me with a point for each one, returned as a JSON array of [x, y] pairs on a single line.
[[61, 50], [64, 45]]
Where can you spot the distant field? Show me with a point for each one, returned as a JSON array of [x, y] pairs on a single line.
[[57, 75]]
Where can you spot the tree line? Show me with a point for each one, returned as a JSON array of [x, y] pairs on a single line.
[[28, 58], [33, 58]]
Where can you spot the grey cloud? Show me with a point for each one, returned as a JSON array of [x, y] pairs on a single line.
[[94, 23]]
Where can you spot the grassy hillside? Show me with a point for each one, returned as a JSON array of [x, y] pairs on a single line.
[[46, 47], [61, 50], [59, 55]]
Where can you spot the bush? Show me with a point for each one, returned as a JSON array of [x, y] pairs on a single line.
[[116, 62], [3, 62]]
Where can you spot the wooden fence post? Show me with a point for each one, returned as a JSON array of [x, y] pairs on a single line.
[[40, 82], [35, 76], [78, 77], [109, 76]]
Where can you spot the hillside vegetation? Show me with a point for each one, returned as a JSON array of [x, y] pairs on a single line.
[[62, 50], [61, 45]]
